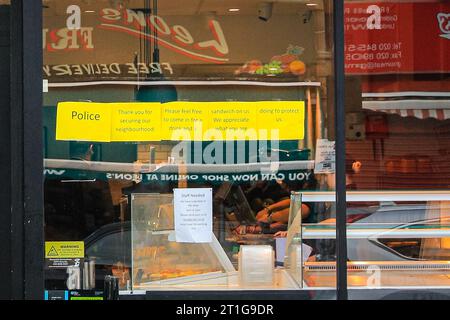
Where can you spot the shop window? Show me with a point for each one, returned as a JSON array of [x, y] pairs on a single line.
[[181, 137], [398, 120]]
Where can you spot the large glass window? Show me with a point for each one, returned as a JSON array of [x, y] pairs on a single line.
[[180, 137], [398, 146]]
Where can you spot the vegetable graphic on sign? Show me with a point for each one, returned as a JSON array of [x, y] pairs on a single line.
[[287, 63]]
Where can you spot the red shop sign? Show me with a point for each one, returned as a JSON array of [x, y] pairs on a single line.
[[389, 37]]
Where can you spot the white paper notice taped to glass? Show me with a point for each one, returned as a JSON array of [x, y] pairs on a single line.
[[325, 156], [193, 215]]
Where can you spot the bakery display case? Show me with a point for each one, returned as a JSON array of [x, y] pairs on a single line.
[[394, 239], [159, 262], [157, 256], [400, 240]]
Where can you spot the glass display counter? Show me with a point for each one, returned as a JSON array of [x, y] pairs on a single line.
[[159, 262], [401, 240], [156, 256], [394, 239]]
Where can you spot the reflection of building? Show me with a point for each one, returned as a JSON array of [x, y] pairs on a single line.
[[405, 122]]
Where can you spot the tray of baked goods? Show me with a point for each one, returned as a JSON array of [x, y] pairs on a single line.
[[165, 260]]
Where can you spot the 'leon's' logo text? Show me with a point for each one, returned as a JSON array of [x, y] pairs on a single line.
[[176, 38]]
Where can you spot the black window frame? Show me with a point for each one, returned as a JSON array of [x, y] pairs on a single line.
[[21, 165]]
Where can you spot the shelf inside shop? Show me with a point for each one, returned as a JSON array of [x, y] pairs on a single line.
[[189, 83], [378, 231], [174, 168]]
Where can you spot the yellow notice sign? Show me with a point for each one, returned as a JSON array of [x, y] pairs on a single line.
[[136, 122], [281, 120], [83, 121], [232, 121], [184, 121], [64, 249], [181, 121]]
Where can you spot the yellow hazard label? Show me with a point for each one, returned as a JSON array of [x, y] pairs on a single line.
[[64, 249]]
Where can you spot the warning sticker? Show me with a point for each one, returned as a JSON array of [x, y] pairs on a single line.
[[64, 249]]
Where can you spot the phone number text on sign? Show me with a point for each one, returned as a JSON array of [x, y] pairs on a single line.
[[374, 57]]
